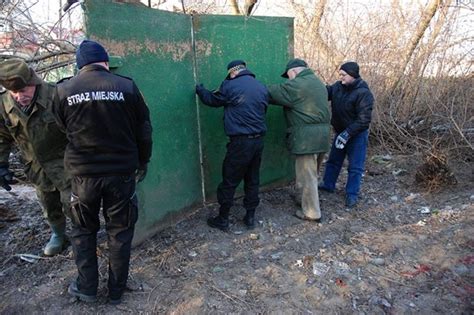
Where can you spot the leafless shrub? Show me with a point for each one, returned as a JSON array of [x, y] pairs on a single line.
[[417, 60], [434, 173]]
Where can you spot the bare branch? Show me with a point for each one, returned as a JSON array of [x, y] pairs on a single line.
[[235, 7]]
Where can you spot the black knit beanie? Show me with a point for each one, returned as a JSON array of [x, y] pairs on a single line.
[[351, 68], [90, 52]]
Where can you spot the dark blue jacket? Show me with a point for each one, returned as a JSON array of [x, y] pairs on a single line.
[[351, 106], [245, 102]]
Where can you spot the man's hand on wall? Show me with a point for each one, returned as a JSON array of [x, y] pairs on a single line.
[[199, 87]]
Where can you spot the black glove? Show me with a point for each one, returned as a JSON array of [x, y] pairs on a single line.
[[6, 178], [141, 173], [199, 87]]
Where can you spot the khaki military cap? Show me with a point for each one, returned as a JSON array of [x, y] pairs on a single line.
[[15, 75]]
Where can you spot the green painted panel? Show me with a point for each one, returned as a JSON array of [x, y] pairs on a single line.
[[266, 44], [156, 51], [163, 52]]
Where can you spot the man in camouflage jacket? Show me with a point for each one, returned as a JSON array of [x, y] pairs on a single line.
[[27, 120]]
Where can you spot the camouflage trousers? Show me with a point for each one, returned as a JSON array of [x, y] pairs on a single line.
[[56, 205]]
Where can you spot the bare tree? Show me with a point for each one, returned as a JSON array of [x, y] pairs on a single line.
[[46, 46], [427, 16], [247, 9]]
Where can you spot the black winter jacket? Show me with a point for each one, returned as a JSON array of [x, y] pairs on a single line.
[[351, 106], [245, 102], [106, 121]]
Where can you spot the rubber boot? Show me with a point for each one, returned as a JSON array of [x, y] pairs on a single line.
[[221, 221], [249, 219], [58, 241]]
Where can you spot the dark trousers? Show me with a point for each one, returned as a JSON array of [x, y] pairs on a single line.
[[119, 202], [242, 161]]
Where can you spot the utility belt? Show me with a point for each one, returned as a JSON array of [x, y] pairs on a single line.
[[249, 136]]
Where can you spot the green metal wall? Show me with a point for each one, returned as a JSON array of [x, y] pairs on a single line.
[[167, 54]]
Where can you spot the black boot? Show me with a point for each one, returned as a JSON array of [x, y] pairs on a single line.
[[74, 291], [220, 222], [249, 219]]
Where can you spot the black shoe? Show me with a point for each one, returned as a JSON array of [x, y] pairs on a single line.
[[115, 297], [324, 188], [74, 291], [219, 223], [115, 301], [249, 221], [351, 201]]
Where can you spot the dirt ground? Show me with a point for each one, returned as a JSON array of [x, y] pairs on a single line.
[[401, 251]]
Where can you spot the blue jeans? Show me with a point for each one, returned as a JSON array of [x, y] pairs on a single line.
[[355, 149]]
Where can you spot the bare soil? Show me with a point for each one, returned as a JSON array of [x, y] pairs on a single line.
[[401, 251]]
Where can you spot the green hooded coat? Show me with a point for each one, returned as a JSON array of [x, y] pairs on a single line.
[[306, 109]]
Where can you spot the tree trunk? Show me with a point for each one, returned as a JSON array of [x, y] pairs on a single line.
[[235, 7], [249, 4], [332, 56], [425, 21]]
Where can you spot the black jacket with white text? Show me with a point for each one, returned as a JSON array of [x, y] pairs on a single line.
[[106, 121]]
